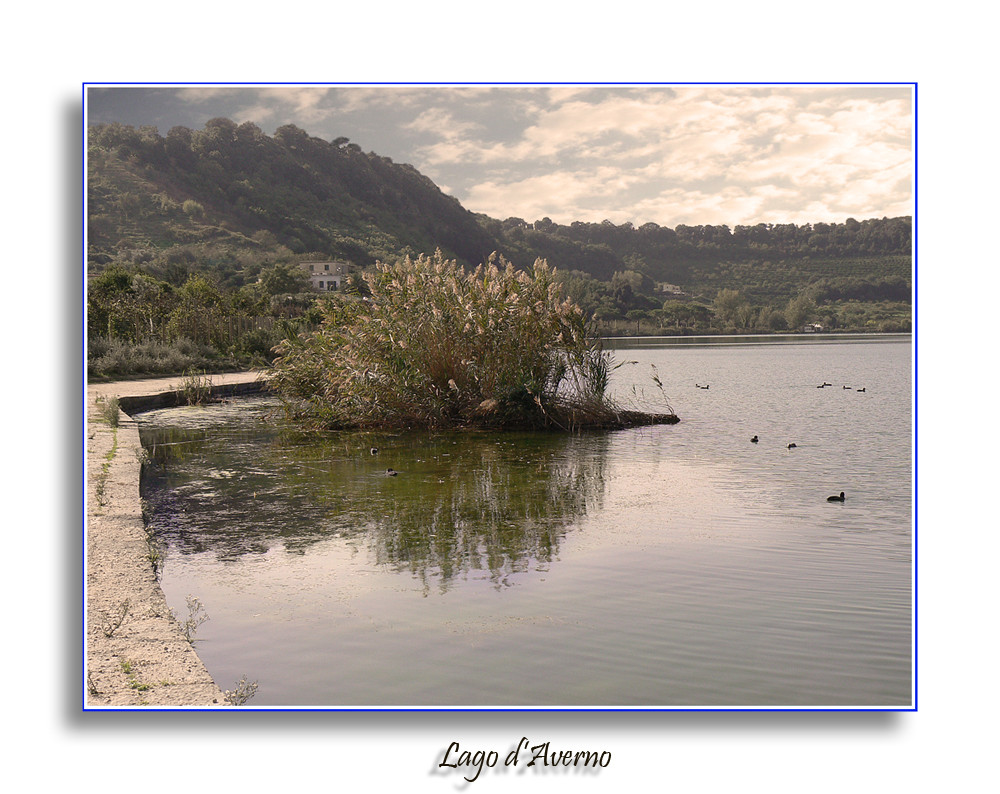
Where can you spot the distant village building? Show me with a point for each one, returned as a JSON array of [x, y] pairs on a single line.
[[670, 290], [812, 328], [326, 276]]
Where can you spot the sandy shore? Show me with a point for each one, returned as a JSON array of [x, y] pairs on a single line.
[[136, 652]]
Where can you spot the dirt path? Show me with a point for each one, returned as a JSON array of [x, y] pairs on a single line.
[[136, 651]]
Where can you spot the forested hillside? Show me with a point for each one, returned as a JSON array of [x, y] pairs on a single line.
[[214, 220], [229, 198]]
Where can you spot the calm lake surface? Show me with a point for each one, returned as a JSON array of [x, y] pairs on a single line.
[[672, 566]]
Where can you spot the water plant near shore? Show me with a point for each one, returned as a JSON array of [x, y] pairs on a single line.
[[242, 693], [196, 388], [196, 616], [436, 346]]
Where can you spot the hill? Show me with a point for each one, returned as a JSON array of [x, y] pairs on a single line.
[[193, 239], [229, 198]]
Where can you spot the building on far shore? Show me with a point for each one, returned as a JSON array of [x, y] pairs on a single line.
[[669, 290], [326, 276]]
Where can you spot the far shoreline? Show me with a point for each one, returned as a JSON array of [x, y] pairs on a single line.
[[755, 339], [611, 342]]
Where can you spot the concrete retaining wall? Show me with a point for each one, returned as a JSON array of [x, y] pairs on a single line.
[[136, 653]]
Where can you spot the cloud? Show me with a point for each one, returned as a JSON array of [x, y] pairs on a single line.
[[667, 154], [703, 154], [443, 124]]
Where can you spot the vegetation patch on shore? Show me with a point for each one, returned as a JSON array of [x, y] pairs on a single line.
[[435, 346]]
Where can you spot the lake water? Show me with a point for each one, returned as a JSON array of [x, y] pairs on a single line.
[[672, 566]]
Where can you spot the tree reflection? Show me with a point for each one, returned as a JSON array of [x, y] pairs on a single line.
[[498, 507], [463, 504]]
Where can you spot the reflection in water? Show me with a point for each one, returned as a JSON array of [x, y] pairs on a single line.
[[490, 504], [234, 484]]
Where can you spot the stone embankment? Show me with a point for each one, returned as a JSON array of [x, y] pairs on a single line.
[[136, 651]]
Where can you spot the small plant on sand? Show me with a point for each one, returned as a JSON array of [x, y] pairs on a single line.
[[113, 621], [196, 616], [108, 410], [102, 476], [242, 693], [196, 388], [133, 679], [435, 346], [156, 553], [156, 549]]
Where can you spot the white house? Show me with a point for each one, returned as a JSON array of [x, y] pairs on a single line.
[[668, 289], [326, 276]]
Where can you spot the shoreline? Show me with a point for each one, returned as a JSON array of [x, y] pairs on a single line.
[[135, 651]]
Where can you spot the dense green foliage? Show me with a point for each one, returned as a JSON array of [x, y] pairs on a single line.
[[139, 325], [437, 347]]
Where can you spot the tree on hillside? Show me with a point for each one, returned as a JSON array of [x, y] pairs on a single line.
[[728, 303], [283, 278], [799, 311]]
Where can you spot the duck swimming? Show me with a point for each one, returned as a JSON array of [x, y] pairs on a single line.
[[374, 450], [836, 498], [754, 440], [792, 445], [390, 473]]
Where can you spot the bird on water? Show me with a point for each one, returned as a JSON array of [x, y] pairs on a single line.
[[374, 450], [792, 445], [390, 473], [836, 498], [754, 440]]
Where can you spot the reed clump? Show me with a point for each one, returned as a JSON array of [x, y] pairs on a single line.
[[436, 347]]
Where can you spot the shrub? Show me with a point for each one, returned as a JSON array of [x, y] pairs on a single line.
[[437, 347], [118, 358], [256, 344], [108, 410]]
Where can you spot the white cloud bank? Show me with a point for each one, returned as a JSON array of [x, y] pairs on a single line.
[[698, 154]]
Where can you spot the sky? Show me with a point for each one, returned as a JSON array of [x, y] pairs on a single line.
[[660, 153]]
